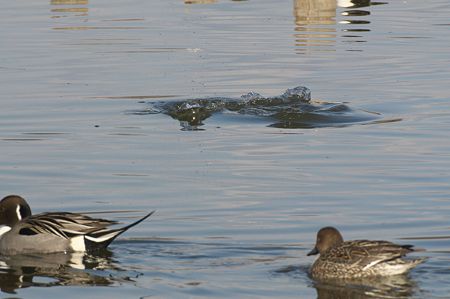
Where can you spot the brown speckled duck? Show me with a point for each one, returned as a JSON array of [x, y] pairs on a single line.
[[358, 258]]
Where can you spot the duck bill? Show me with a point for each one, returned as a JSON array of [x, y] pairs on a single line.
[[313, 252]]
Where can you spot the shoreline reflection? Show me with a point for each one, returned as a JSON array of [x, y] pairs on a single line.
[[317, 23], [80, 7]]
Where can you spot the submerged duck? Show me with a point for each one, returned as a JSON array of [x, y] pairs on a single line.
[[23, 233], [358, 258]]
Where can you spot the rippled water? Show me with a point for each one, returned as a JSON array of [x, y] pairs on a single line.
[[240, 201], [294, 109]]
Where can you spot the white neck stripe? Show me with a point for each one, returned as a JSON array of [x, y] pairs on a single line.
[[18, 212]]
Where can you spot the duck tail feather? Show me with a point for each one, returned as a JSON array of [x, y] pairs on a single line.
[[408, 247], [101, 240]]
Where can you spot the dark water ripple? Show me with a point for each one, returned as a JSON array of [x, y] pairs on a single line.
[[291, 110]]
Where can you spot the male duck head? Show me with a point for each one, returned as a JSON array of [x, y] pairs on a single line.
[[13, 208], [327, 237]]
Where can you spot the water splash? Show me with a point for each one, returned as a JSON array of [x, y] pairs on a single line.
[[292, 109]]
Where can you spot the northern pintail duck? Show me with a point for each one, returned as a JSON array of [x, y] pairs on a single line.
[[358, 258], [21, 232]]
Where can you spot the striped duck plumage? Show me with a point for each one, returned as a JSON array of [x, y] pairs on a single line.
[[22, 232]]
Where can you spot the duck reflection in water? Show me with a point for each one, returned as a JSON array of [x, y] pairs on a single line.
[[58, 269], [397, 286], [357, 3]]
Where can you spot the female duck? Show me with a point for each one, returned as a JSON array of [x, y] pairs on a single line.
[[358, 258]]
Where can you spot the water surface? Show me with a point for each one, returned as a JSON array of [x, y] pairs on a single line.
[[238, 202]]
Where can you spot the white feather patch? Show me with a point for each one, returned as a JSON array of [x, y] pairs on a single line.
[[77, 244], [388, 269], [4, 229], [103, 238], [371, 264], [18, 213]]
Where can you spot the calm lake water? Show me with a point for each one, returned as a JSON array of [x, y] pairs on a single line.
[[238, 201]]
